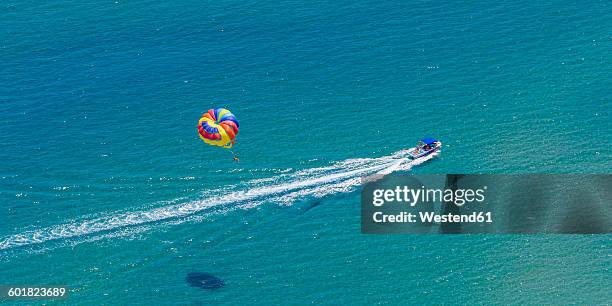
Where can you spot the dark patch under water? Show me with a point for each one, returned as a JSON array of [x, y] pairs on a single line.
[[311, 206], [204, 280]]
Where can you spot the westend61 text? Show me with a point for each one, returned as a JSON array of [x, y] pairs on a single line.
[[429, 217]]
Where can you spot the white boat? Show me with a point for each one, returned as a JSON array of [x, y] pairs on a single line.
[[425, 147]]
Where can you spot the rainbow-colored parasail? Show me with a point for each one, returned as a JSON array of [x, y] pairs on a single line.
[[218, 127]]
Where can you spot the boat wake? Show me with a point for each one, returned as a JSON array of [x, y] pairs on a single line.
[[283, 189]]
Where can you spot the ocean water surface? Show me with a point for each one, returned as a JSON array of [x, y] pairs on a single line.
[[106, 187]]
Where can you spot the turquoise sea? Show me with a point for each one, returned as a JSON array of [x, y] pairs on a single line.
[[105, 186]]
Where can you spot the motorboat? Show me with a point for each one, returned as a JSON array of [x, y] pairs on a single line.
[[425, 147]]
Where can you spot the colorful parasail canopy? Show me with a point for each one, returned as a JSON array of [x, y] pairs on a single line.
[[218, 127]]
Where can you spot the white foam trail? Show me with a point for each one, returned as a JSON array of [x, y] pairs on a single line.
[[341, 177]]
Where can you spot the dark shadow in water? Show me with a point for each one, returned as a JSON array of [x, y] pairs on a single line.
[[204, 280], [311, 206], [584, 216], [450, 208]]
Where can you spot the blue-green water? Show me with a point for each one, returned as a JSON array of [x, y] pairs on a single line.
[[105, 186]]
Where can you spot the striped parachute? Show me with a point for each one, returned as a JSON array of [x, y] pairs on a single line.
[[218, 127]]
